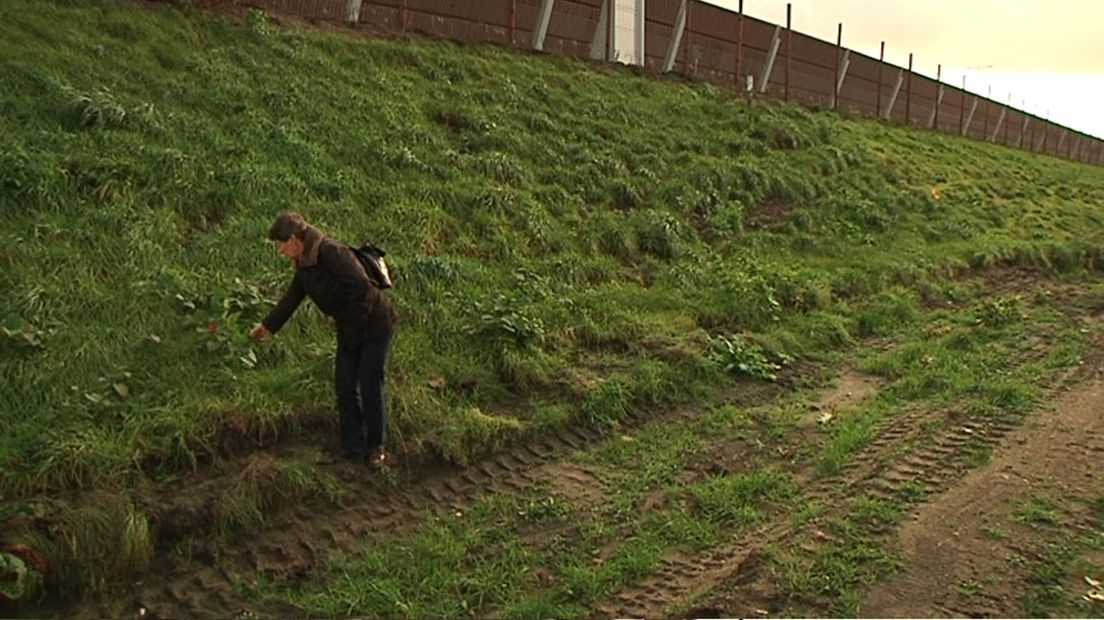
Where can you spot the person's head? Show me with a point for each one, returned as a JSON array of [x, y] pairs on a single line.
[[288, 231]]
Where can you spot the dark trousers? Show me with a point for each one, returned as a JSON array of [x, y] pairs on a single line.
[[363, 368]]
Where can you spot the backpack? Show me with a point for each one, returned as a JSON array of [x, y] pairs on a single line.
[[371, 258]]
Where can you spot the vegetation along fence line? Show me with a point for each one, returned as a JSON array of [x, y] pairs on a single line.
[[707, 42]]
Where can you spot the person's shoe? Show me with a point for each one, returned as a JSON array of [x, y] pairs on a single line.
[[377, 458], [343, 457]]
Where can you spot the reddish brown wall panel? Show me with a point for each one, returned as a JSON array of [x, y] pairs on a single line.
[[709, 50]]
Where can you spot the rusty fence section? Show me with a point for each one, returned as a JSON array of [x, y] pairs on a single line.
[[723, 47]]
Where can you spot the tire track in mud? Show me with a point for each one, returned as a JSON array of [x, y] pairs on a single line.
[[298, 539], [876, 471], [937, 466], [1062, 452], [302, 538]]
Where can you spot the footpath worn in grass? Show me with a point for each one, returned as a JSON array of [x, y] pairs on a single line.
[[569, 241]]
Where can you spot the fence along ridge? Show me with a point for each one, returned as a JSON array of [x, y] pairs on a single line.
[[715, 44]]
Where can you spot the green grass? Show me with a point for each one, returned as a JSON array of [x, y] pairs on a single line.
[[567, 239], [265, 484], [1059, 562], [1038, 511], [837, 569]]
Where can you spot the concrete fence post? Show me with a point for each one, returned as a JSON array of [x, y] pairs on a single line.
[[908, 94], [985, 121], [513, 22], [961, 105], [893, 95], [842, 74], [789, 51], [1000, 121], [776, 40], [1005, 141], [541, 30], [881, 65], [599, 43], [676, 38], [689, 31], [740, 41], [933, 120], [641, 57], [352, 11], [836, 77], [969, 119], [1041, 141]]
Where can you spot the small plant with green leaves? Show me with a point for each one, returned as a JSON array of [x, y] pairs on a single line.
[[969, 588], [1037, 511], [22, 334], [221, 317], [257, 22], [996, 532], [913, 491], [23, 563], [503, 319], [544, 509], [999, 311], [738, 355]]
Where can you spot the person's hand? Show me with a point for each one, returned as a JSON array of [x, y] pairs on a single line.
[[260, 333]]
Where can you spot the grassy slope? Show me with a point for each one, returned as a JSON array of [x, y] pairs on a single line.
[[566, 237]]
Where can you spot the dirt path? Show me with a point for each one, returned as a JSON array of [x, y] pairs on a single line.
[[747, 589], [964, 553], [945, 547]]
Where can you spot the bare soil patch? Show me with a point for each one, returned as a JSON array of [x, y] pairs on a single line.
[[851, 390], [954, 567]]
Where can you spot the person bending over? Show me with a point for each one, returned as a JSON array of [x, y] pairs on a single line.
[[329, 273]]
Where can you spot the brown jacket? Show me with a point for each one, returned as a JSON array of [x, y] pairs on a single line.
[[333, 278]]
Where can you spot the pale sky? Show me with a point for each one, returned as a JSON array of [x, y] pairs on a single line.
[[1047, 54]]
